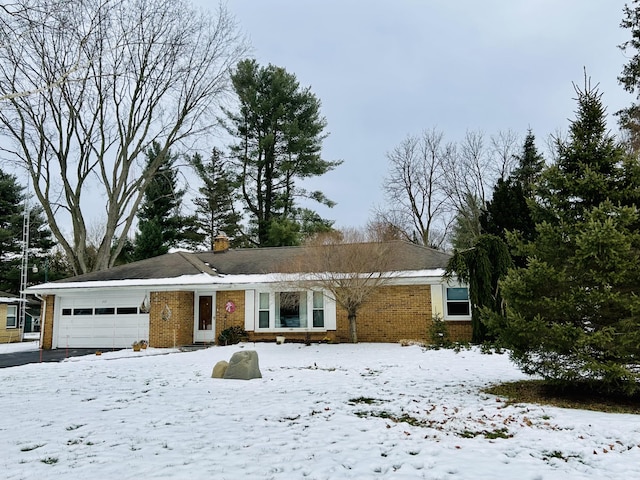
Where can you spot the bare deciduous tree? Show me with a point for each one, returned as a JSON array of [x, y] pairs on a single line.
[[504, 148], [415, 189], [471, 172], [106, 79], [349, 265]]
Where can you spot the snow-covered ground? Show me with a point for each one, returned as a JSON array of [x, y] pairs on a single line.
[[361, 411]]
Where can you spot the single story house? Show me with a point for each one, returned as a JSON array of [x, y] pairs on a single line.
[[9, 310], [185, 298]]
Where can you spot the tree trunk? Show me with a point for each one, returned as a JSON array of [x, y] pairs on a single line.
[[353, 334]]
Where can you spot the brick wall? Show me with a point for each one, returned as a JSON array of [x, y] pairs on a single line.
[[175, 329], [459, 331], [223, 318], [392, 313], [47, 324]]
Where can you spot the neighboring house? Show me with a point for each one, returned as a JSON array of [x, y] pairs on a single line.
[[9, 310], [185, 298]]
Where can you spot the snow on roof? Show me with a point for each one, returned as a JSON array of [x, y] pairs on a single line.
[[206, 279], [9, 300]]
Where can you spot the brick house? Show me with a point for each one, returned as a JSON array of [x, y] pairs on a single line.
[[184, 298]]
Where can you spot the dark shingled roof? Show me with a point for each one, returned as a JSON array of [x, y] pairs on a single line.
[[244, 261]]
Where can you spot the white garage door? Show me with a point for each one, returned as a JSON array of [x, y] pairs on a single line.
[[100, 321]]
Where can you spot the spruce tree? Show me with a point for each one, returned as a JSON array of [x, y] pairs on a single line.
[[530, 166], [573, 313], [160, 224], [215, 211], [12, 198], [510, 208]]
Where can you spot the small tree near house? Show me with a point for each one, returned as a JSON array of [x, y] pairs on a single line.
[[350, 265]]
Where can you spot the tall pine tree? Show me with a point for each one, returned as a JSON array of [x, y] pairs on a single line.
[[215, 210], [573, 313], [278, 130], [160, 224], [12, 198], [510, 208]]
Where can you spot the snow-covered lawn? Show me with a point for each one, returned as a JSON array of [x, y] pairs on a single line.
[[361, 411]]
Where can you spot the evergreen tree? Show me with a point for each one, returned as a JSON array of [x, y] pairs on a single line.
[[215, 211], [530, 166], [12, 200], [481, 268], [629, 118], [160, 225], [573, 313], [591, 166], [510, 208], [279, 131], [507, 211]]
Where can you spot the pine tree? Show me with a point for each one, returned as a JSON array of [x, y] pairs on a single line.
[[573, 312], [629, 118], [510, 208], [160, 224], [12, 200], [278, 131], [215, 211], [530, 166]]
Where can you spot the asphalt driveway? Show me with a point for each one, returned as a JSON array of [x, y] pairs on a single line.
[[14, 359]]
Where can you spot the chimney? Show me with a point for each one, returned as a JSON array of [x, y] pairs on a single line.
[[220, 243]]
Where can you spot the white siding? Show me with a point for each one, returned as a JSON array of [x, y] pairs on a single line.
[[250, 310], [117, 330]]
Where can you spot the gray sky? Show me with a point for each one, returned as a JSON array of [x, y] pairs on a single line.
[[386, 69]]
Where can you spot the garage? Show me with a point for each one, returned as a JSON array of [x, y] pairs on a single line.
[[100, 321]]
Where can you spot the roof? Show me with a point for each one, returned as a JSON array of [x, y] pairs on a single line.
[[9, 298], [251, 261]]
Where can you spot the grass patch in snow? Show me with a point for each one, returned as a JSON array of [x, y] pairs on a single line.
[[542, 393], [488, 434], [557, 454], [366, 400], [29, 448], [404, 418]]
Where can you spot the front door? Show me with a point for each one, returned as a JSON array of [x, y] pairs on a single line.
[[205, 319]]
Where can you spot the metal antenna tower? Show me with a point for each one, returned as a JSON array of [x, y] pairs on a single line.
[[24, 267]]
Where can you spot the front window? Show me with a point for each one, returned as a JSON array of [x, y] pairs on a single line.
[[12, 316], [318, 309], [458, 302], [263, 311], [292, 309]]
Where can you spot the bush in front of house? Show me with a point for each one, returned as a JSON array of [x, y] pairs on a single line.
[[231, 335], [439, 333]]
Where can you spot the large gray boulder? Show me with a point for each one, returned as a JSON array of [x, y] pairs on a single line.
[[243, 366], [219, 369]]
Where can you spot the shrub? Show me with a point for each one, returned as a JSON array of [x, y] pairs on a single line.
[[231, 335], [439, 333]]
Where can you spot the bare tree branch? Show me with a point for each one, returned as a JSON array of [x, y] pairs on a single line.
[[415, 189], [349, 265], [105, 79]]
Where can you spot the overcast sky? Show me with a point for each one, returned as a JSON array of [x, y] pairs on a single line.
[[386, 69]]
